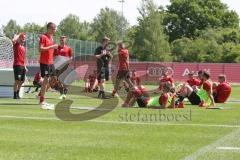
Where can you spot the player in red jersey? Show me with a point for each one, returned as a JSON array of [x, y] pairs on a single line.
[[46, 47], [140, 95], [193, 81], [221, 91], [19, 63], [123, 71], [202, 97], [91, 84], [164, 79], [135, 78], [65, 51]]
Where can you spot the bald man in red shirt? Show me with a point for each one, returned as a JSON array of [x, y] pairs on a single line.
[[46, 47], [19, 63], [221, 91]]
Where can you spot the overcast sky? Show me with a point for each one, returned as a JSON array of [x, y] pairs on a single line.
[[24, 11]]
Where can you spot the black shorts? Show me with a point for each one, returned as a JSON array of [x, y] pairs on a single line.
[[37, 84], [123, 74], [141, 101], [215, 96], [47, 70], [103, 73], [194, 99], [19, 73]]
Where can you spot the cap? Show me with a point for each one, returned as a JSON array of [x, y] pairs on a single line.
[[106, 38], [63, 37], [22, 36]]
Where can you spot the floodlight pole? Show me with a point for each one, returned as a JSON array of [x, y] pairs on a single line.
[[122, 1]]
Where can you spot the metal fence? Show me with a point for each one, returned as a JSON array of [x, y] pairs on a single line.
[[79, 47]]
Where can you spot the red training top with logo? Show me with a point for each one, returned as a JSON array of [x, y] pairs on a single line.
[[165, 79], [123, 57], [19, 52], [223, 92], [139, 91], [46, 57], [194, 82], [37, 77], [163, 99], [63, 51], [207, 86], [92, 79], [136, 80]]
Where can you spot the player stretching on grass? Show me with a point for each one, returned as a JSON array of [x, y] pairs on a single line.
[[46, 47], [18, 64], [103, 57], [221, 91], [202, 97]]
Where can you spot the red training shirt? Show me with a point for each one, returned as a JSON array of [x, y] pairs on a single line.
[[19, 52], [194, 82], [123, 57], [46, 57], [63, 51], [223, 92]]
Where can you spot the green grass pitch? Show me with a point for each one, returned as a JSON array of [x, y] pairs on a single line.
[[30, 133]]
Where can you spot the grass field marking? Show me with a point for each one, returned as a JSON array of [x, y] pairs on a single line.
[[229, 137], [128, 123], [228, 148]]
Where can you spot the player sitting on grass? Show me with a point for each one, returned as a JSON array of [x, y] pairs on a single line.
[[164, 79], [202, 97], [140, 95], [134, 79], [192, 81], [91, 84], [221, 91]]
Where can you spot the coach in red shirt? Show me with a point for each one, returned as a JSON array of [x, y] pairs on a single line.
[[46, 47], [19, 64], [222, 91]]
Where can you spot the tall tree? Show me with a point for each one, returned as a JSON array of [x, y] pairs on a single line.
[[186, 17], [33, 28], [109, 23], [73, 28], [150, 41], [11, 28]]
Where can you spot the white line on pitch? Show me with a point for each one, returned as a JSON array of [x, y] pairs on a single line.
[[128, 123], [228, 148]]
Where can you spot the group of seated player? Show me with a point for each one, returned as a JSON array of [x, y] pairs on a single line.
[[199, 91]]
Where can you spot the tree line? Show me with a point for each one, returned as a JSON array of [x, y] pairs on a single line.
[[183, 31]]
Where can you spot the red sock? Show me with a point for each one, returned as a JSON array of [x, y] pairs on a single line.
[[114, 92], [42, 99]]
